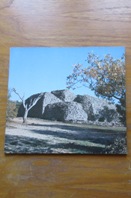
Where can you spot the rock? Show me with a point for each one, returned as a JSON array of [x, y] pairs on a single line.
[[38, 110], [97, 109], [65, 111], [86, 104], [49, 98], [64, 95], [63, 105]]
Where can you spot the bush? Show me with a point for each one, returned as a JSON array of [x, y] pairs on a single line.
[[11, 110], [118, 147]]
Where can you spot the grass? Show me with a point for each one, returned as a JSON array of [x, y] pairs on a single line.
[[56, 137]]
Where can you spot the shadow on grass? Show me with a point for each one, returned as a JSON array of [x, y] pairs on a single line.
[[77, 128], [15, 144], [20, 144], [83, 135]]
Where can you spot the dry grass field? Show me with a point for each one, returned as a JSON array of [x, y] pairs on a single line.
[[42, 136]]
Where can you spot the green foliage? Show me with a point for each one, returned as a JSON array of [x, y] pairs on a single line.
[[107, 114], [119, 146], [105, 76], [12, 108], [18, 104], [121, 108]]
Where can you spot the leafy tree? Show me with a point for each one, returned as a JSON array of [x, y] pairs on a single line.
[[27, 105], [105, 76]]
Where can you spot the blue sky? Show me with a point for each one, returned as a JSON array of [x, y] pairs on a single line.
[[43, 69]]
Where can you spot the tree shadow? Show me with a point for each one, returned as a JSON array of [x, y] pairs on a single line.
[[98, 138], [76, 128], [21, 145]]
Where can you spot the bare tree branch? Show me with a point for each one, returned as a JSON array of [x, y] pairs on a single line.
[[27, 106], [35, 101], [21, 98]]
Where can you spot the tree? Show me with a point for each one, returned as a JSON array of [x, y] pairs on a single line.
[[105, 76], [28, 105], [11, 111], [121, 108]]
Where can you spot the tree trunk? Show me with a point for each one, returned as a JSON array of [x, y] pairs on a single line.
[[25, 116]]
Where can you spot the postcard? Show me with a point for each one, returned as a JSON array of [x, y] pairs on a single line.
[[66, 100]]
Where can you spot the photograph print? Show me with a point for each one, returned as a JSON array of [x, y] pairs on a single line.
[[66, 100]]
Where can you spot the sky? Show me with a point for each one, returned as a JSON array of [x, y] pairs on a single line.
[[43, 69]]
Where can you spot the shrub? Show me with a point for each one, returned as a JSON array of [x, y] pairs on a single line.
[[118, 146], [11, 110]]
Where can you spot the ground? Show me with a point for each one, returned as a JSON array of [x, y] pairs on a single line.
[[42, 136]]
